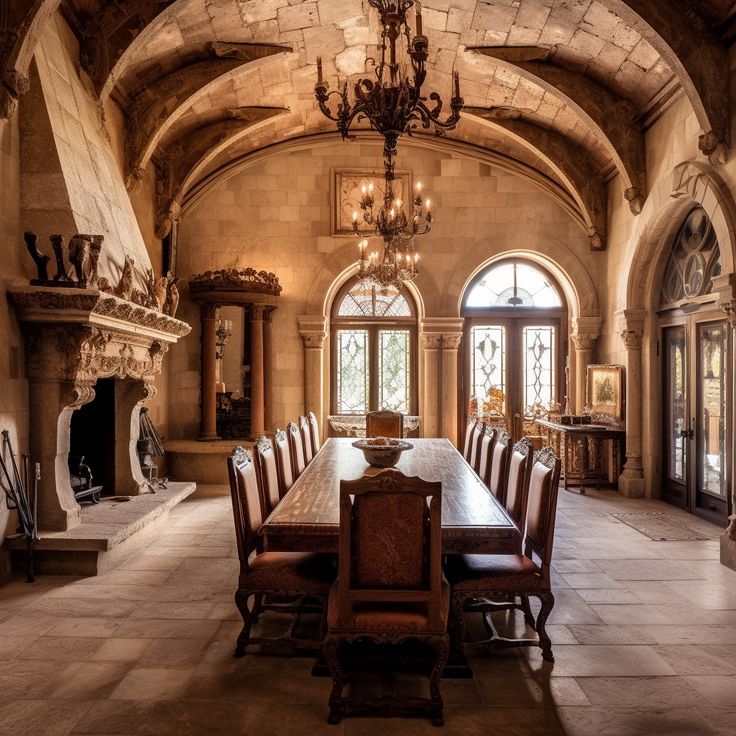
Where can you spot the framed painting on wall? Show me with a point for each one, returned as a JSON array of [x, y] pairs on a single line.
[[605, 390], [347, 192]]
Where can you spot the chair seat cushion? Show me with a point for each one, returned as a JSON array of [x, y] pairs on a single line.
[[493, 572], [290, 571], [388, 617]]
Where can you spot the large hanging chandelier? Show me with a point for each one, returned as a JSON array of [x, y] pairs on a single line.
[[393, 104]]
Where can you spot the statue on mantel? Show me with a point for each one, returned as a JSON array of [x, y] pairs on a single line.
[[61, 276], [79, 258], [124, 289]]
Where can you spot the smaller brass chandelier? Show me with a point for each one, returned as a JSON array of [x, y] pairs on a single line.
[[397, 259]]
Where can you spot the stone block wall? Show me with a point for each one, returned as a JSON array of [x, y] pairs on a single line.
[[276, 215]]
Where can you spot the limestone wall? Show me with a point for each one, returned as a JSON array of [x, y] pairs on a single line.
[[276, 215]]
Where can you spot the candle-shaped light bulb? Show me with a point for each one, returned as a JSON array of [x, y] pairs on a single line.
[[398, 204], [418, 7], [428, 203], [319, 70], [391, 213], [456, 76], [355, 216], [370, 187], [363, 189], [416, 258], [419, 186]]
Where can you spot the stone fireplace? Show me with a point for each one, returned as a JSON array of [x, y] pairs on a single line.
[[74, 339]]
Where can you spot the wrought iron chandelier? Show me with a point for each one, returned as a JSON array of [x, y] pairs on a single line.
[[393, 104]]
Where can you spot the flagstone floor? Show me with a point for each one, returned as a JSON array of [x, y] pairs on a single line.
[[644, 636]]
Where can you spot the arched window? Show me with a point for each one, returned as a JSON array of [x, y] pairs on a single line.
[[373, 334], [515, 325]]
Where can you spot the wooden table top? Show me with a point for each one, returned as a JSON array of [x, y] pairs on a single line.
[[588, 429], [307, 519]]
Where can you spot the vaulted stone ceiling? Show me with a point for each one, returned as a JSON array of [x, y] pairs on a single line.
[[542, 79]]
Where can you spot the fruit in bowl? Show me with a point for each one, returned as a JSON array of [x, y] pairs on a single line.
[[382, 452]]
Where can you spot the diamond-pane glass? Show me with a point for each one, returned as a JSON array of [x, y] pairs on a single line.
[[539, 366], [489, 365], [513, 285], [362, 301], [352, 371], [393, 370]]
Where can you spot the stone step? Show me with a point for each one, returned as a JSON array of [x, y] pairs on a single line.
[[110, 532]]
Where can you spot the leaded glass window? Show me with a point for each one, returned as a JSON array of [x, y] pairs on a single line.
[[693, 261], [374, 360], [539, 366], [515, 285], [488, 371]]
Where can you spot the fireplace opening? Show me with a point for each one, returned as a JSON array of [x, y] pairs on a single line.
[[92, 443]]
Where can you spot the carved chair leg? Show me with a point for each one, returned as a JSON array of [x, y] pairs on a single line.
[[257, 607], [241, 601], [441, 647], [457, 630], [331, 651], [527, 609], [548, 601]]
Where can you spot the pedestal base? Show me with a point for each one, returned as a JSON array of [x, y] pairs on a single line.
[[631, 486], [728, 551]]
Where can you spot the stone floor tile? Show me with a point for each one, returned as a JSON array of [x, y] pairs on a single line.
[[636, 614], [88, 680], [152, 684], [41, 717], [580, 580], [639, 692], [607, 634], [93, 627], [143, 628], [700, 659], [180, 653], [173, 610], [608, 661], [615, 596], [122, 650], [61, 648], [648, 721], [719, 690]]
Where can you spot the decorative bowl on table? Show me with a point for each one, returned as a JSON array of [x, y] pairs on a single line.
[[382, 452]]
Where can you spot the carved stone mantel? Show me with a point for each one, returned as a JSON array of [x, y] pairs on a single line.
[[73, 337]]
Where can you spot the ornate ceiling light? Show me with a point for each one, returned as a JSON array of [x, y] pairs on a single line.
[[393, 104]]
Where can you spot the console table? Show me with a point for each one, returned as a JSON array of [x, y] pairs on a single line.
[[354, 424], [581, 448]]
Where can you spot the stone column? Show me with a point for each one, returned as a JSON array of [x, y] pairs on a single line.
[[584, 350], [450, 345], [631, 482], [208, 320], [314, 331], [431, 409], [130, 395], [728, 538], [267, 371], [257, 387]]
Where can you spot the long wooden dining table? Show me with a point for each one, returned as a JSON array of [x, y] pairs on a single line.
[[307, 518]]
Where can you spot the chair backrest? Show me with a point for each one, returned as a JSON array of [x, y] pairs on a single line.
[[541, 507], [247, 502], [283, 461], [469, 436], [517, 482], [314, 431], [390, 543], [499, 464], [306, 435], [485, 452], [296, 448], [474, 458], [268, 477], [384, 424]]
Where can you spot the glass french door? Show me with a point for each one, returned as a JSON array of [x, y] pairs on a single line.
[[513, 365], [695, 407]]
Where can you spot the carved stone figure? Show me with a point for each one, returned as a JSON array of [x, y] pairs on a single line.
[[124, 289], [172, 297], [57, 243], [40, 259], [162, 289], [79, 257], [95, 248]]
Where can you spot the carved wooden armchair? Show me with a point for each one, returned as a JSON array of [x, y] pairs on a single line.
[[267, 473], [296, 449], [474, 450], [482, 580], [283, 462], [470, 437], [390, 585], [517, 482], [314, 432], [384, 424], [269, 574], [306, 434]]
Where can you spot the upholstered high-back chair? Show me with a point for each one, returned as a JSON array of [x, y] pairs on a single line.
[[384, 424], [306, 434], [485, 452], [474, 459], [296, 448], [283, 461], [268, 574], [390, 584], [470, 436], [267, 471], [314, 432], [478, 581], [517, 483], [499, 464]]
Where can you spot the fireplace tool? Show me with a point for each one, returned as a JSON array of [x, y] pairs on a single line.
[[17, 498]]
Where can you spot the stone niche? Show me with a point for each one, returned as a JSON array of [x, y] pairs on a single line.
[[73, 338]]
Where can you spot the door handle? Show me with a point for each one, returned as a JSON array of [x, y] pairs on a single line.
[[688, 434]]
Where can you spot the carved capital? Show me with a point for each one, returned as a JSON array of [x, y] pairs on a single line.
[[730, 309], [635, 199], [583, 342], [451, 341], [431, 341], [632, 339], [713, 147], [314, 340]]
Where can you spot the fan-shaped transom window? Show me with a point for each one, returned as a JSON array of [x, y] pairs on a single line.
[[368, 301], [513, 285], [693, 260]]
